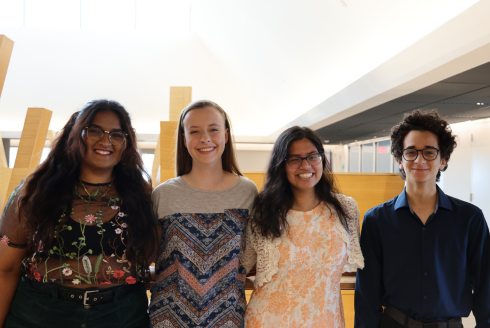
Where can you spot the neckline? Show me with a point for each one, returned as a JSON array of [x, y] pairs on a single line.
[[95, 184], [202, 190], [318, 208]]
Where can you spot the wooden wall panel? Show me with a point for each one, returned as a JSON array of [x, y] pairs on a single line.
[[6, 47], [180, 97], [31, 145], [368, 189], [348, 304], [256, 177]]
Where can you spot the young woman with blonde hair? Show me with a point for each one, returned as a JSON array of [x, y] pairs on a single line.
[[204, 211]]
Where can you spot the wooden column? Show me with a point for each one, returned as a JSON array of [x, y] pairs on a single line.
[[6, 46], [164, 162], [31, 145]]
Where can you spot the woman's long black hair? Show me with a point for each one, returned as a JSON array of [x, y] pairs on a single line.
[[276, 198], [48, 192]]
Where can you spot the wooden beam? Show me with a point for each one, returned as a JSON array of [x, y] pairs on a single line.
[[3, 156], [164, 160], [6, 46], [155, 178], [180, 97], [167, 150], [31, 145]]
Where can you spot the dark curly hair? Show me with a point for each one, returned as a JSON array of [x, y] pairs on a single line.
[[420, 120], [276, 198], [48, 191]]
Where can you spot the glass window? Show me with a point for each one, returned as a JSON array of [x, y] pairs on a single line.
[[354, 158], [383, 156], [367, 158]]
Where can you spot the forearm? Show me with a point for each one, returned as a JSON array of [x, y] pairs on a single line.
[[8, 285]]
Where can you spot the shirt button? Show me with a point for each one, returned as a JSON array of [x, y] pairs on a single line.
[[424, 229], [425, 273], [425, 297]]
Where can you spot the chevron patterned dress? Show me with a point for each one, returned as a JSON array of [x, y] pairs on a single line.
[[200, 282]]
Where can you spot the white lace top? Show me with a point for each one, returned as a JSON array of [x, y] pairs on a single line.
[[265, 251]]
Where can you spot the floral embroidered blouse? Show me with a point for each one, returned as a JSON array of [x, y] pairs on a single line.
[[89, 245], [264, 252]]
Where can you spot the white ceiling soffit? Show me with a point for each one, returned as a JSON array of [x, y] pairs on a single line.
[[289, 57]]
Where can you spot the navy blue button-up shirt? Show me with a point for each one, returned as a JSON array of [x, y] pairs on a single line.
[[426, 271]]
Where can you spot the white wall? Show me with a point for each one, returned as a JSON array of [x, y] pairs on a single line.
[[468, 172]]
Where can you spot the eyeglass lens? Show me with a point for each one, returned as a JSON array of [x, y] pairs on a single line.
[[295, 162], [429, 154], [96, 134]]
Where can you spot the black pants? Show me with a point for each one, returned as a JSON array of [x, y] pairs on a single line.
[[389, 322], [34, 309]]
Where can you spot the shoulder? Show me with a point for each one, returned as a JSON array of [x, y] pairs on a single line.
[[462, 206], [346, 201], [170, 184], [247, 185], [379, 212]]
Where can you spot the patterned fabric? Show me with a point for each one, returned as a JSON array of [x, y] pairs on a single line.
[[305, 290], [199, 280], [264, 252]]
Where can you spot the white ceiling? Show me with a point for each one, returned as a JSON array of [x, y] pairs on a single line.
[[269, 64]]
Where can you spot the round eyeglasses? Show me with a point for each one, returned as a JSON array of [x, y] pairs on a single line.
[[429, 154], [295, 162], [116, 138]]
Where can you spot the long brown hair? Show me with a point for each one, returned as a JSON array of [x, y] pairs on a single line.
[[183, 161], [276, 197], [48, 192]]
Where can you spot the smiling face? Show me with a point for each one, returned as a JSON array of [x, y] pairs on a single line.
[[421, 171], [205, 135], [101, 156], [306, 176]]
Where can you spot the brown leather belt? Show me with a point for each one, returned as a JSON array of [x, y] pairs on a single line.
[[406, 321]]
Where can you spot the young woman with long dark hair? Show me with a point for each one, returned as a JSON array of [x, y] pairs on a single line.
[[204, 211], [302, 235], [77, 232]]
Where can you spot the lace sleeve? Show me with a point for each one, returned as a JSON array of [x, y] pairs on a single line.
[[249, 256], [355, 259], [12, 232]]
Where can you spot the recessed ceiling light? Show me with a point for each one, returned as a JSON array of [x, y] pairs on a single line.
[[480, 104]]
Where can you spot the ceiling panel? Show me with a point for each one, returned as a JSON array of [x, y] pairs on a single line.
[[460, 98]]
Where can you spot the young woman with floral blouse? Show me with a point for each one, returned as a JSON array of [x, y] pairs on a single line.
[[75, 234], [302, 235]]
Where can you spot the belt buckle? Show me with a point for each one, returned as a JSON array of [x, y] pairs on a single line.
[[85, 298]]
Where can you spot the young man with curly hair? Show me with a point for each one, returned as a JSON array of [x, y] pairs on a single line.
[[427, 254]]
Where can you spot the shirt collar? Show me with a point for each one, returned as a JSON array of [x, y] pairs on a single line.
[[442, 201]]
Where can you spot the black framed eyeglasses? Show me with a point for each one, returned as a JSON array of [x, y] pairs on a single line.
[[428, 153], [116, 138], [296, 161]]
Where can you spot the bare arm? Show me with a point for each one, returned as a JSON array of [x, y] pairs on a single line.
[[10, 273]]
